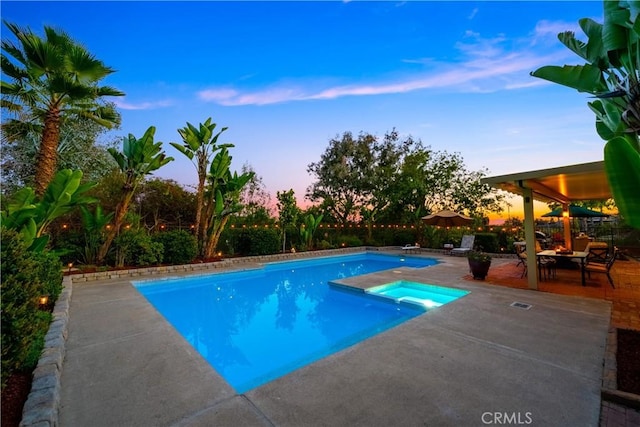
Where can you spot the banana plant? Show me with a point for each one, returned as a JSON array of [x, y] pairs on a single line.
[[224, 196], [199, 145], [138, 158], [94, 225], [612, 75], [31, 217], [308, 228]]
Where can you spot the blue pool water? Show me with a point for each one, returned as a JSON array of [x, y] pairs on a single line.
[[257, 325], [427, 296]]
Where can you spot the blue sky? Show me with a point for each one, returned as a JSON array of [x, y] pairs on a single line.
[[286, 77]]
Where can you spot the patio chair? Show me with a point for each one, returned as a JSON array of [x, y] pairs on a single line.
[[465, 246], [521, 253], [598, 252], [410, 248], [547, 265], [598, 267]]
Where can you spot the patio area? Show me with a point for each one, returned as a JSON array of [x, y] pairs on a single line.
[[625, 314], [625, 298]]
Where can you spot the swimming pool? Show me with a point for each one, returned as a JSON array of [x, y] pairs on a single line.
[[256, 325]]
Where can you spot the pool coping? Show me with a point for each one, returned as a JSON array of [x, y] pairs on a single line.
[[44, 399]]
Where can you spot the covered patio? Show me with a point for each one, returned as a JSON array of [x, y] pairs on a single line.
[[567, 184]]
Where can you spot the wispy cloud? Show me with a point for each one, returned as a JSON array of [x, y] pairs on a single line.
[[473, 14], [142, 105], [551, 29], [482, 65]]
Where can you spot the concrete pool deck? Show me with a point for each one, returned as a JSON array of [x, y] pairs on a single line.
[[472, 362]]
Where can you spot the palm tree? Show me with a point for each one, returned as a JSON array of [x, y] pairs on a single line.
[[51, 79], [199, 147], [138, 158]]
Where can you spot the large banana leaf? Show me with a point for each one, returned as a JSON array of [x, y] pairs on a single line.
[[583, 78], [31, 217], [622, 165], [611, 73]]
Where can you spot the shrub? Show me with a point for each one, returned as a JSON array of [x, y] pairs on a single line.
[[26, 276], [258, 241], [179, 246], [349, 241], [136, 248], [325, 245], [487, 242], [402, 237], [50, 274]]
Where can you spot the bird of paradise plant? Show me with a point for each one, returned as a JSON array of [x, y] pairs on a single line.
[[612, 75]]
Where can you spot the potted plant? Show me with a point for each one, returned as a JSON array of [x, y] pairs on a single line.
[[479, 263]]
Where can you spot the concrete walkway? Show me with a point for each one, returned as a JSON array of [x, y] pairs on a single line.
[[472, 362]]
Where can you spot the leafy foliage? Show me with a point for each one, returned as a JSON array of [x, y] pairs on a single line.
[[199, 145], [288, 212], [487, 242], [49, 80], [164, 201], [79, 149], [257, 241], [135, 247], [308, 228], [94, 226], [26, 276], [31, 217], [223, 195], [179, 246], [138, 158], [255, 199], [479, 256], [349, 241], [395, 180], [612, 74]]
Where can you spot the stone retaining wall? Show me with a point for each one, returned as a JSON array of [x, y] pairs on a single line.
[[41, 407]]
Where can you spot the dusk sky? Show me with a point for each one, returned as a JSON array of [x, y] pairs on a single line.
[[286, 77]]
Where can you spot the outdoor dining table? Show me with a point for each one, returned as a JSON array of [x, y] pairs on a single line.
[[582, 256]]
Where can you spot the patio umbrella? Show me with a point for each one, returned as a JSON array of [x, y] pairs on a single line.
[[576, 212], [447, 219]]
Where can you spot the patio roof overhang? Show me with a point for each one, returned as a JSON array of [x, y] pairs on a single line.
[[586, 181]]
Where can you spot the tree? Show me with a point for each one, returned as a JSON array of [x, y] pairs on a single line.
[[395, 179], [351, 173], [199, 146], [52, 79], [288, 212], [255, 200], [612, 75], [223, 195], [79, 149], [138, 158], [431, 181], [164, 201]]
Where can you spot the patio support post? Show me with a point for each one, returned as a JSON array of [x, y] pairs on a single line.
[[530, 238], [566, 224]]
